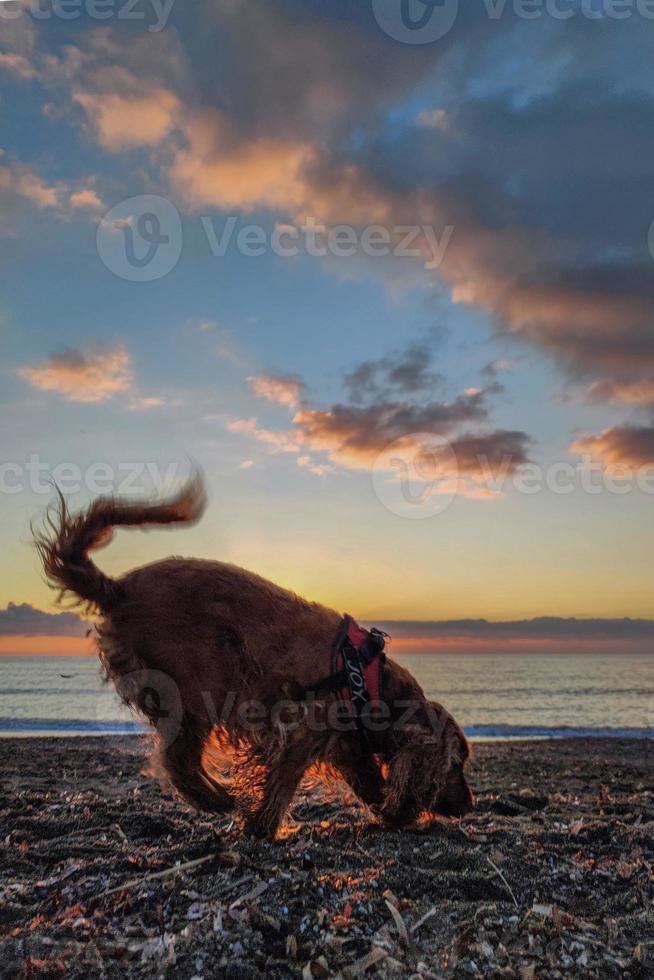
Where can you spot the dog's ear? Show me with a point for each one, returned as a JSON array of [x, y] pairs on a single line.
[[411, 772], [427, 773], [455, 799], [451, 796]]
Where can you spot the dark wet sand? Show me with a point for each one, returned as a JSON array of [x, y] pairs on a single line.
[[550, 877]]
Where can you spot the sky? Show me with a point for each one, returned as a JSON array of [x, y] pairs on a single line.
[[390, 287]]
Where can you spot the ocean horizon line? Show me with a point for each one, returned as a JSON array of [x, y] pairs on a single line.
[[47, 727]]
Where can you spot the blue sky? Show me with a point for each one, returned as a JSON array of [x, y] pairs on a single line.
[[295, 382]]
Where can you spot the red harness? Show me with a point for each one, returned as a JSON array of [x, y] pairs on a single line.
[[357, 663], [360, 654]]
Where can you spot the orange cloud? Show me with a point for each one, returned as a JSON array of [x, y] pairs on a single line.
[[280, 389], [318, 469], [21, 180], [581, 322], [623, 445], [513, 272], [221, 170], [85, 199], [277, 442], [123, 121], [637, 392], [357, 434], [18, 65], [402, 438], [82, 377], [145, 403]]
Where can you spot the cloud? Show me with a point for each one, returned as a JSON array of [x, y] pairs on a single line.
[[296, 69], [24, 620], [220, 169], [435, 437], [146, 402], [277, 442], [405, 373], [546, 634], [309, 113], [469, 464], [86, 199], [592, 317], [21, 183], [18, 44], [534, 245], [433, 118], [537, 253], [490, 454], [282, 389], [544, 627], [357, 434], [622, 445], [21, 180], [318, 469], [18, 65], [94, 376], [638, 392], [125, 121]]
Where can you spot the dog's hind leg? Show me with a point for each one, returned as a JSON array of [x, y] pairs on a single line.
[[182, 762]]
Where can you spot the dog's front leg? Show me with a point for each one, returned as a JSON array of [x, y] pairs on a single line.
[[358, 768], [286, 765], [400, 805]]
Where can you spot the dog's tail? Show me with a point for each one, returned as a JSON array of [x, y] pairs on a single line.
[[65, 539]]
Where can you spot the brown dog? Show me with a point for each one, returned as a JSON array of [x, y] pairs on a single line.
[[209, 652]]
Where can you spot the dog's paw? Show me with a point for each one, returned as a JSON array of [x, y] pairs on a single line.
[[396, 819], [259, 828]]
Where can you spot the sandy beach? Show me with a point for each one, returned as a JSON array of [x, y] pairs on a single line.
[[105, 875]]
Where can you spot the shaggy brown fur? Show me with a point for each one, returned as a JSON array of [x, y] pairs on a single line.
[[212, 654]]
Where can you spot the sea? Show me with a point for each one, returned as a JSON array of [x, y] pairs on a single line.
[[506, 696]]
